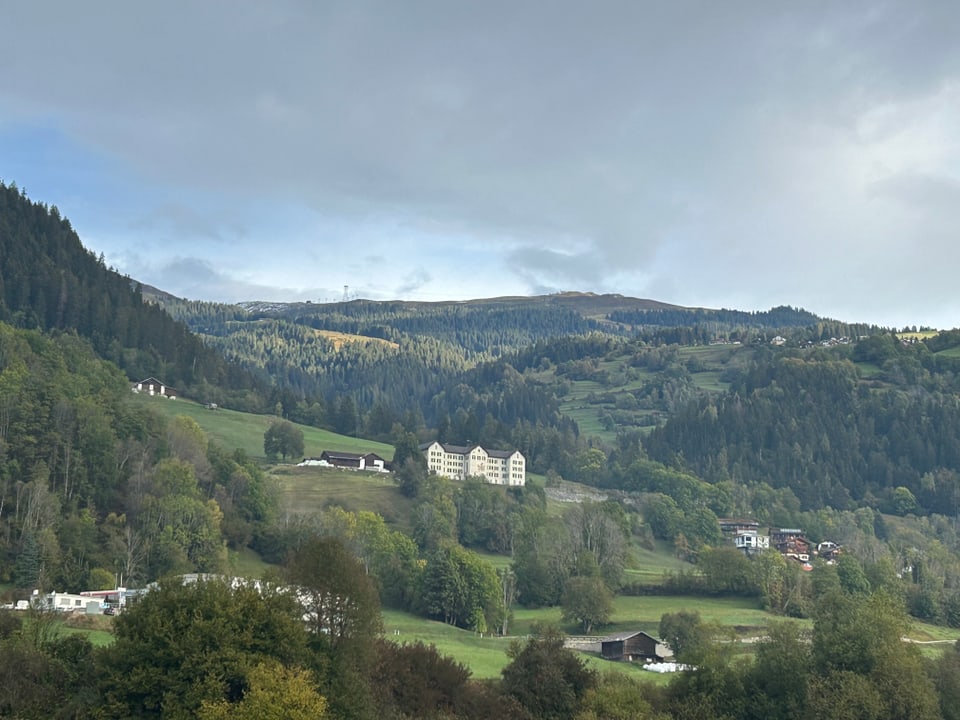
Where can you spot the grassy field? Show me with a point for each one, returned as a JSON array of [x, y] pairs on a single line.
[[312, 489], [486, 656], [339, 339], [649, 566], [868, 370], [921, 335], [98, 629], [246, 563], [233, 429]]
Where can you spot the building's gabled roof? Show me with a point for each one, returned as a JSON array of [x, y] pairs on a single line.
[[467, 449], [452, 449], [337, 455], [152, 381], [619, 637]]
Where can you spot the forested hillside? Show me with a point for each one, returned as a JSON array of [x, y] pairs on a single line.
[[679, 415], [50, 282], [431, 350], [93, 486], [812, 423]]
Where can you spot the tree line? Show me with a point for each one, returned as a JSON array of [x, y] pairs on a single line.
[[308, 643]]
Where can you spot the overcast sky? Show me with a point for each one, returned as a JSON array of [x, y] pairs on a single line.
[[718, 154]]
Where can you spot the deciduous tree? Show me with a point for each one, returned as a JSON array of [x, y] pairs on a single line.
[[547, 679], [338, 597], [588, 601], [283, 439], [181, 645]]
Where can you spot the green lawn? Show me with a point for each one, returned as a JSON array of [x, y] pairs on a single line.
[[649, 566], [233, 429]]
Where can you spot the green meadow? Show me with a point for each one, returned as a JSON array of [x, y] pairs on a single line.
[[310, 490], [486, 656], [233, 429]]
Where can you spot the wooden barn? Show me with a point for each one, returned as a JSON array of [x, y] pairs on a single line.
[[354, 461], [633, 646]]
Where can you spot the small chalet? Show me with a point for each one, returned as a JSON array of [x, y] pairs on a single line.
[[152, 386], [791, 543], [632, 646], [354, 461], [829, 551]]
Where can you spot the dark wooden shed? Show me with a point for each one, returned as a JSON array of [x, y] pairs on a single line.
[[631, 646]]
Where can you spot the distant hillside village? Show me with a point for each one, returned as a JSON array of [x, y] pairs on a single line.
[[789, 542]]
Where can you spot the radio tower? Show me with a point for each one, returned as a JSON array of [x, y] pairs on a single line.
[[346, 293]]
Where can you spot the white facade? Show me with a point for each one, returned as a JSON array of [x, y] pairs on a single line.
[[67, 602], [498, 467], [751, 541]]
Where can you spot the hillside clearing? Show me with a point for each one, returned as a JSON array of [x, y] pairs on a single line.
[[232, 429]]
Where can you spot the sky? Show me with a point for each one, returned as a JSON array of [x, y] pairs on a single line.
[[729, 154]]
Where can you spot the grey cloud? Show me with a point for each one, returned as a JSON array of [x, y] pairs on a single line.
[[197, 279], [543, 268], [585, 142], [923, 191], [181, 220], [413, 281]]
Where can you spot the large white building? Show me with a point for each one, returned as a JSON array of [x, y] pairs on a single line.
[[498, 467]]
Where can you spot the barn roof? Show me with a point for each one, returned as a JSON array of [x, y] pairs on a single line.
[[627, 635]]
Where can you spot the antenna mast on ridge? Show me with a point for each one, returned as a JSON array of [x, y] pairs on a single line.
[[346, 293]]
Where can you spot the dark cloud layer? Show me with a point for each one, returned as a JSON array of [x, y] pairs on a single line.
[[746, 153]]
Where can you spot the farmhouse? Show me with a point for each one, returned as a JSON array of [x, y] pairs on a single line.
[[353, 461], [631, 646], [498, 467], [152, 386]]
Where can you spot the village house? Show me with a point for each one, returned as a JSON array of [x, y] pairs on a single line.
[[790, 543], [750, 542], [828, 551], [67, 602], [745, 534], [458, 462], [352, 461], [152, 386], [633, 646]]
